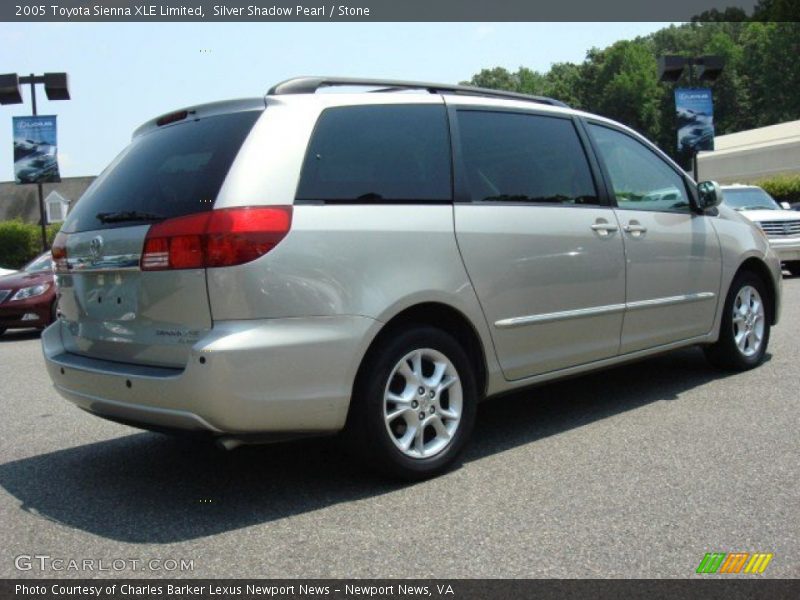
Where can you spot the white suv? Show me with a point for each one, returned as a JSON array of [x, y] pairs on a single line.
[[378, 262], [782, 226]]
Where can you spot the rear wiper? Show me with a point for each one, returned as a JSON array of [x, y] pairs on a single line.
[[127, 215]]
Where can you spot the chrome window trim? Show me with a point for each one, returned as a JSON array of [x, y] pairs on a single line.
[[607, 309]]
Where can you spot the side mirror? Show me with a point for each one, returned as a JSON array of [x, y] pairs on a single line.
[[709, 195], [786, 206]]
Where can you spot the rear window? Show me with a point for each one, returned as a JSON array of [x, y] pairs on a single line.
[[391, 153], [170, 172]]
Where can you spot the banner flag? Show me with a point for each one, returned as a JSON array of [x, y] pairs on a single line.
[[35, 149], [695, 115]]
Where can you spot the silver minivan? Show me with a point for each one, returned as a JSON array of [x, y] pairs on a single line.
[[378, 262]]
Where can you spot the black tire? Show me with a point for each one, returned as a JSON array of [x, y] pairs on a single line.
[[367, 433], [2, 330], [793, 267], [725, 353]]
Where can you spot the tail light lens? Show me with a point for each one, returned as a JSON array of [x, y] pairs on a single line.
[[217, 238], [59, 252]]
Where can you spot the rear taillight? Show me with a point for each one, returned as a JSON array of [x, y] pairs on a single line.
[[59, 252], [217, 238]]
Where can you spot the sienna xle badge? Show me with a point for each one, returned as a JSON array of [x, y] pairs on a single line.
[[377, 263]]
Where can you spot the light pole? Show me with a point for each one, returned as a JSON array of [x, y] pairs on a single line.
[[56, 88], [670, 70]]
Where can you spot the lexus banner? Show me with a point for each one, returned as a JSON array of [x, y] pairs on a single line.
[[695, 114], [35, 150]]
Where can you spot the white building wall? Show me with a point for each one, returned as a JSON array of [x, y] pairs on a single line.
[[747, 156]]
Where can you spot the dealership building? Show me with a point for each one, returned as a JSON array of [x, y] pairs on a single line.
[[22, 202], [747, 156]]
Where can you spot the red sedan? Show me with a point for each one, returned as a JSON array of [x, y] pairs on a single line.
[[28, 298]]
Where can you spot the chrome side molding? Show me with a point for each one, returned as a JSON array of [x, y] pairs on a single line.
[[601, 310], [560, 316]]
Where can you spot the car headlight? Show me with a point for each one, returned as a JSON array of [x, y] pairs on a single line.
[[30, 292]]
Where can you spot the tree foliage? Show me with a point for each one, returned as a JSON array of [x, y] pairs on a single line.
[[759, 85], [22, 242]]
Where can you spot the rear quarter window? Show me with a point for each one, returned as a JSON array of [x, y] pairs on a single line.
[[386, 153], [518, 157], [172, 171]]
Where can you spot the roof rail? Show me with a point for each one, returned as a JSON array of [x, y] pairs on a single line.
[[309, 85]]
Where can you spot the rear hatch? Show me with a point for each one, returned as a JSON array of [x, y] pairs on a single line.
[[110, 308]]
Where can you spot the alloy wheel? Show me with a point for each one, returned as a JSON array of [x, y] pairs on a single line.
[[423, 403], [748, 321]]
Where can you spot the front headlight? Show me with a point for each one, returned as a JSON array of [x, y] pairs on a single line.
[[30, 292]]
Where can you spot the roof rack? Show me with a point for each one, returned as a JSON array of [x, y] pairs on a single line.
[[309, 85]]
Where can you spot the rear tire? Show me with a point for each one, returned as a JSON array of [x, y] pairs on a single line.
[[414, 404], [745, 327]]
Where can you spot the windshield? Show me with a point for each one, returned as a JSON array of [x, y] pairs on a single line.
[[749, 199], [39, 264], [170, 172]]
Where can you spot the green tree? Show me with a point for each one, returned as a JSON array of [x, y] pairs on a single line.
[[777, 11], [759, 85], [769, 63], [497, 78], [563, 81]]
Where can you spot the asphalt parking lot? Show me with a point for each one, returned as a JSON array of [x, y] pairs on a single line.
[[633, 472]]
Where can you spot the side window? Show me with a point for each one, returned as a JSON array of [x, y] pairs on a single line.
[[641, 179], [513, 157], [384, 153]]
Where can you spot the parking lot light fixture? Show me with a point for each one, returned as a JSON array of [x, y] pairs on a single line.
[[9, 89]]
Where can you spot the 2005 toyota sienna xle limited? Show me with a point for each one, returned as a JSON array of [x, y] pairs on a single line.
[[305, 263]]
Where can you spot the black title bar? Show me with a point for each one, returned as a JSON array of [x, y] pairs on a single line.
[[712, 587], [362, 10]]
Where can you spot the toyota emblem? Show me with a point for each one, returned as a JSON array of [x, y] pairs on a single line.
[[96, 247]]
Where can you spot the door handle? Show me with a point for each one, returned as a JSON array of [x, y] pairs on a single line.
[[604, 229], [635, 229]]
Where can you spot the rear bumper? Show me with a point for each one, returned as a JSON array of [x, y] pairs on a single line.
[[244, 377]]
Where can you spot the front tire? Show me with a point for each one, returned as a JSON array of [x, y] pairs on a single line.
[[414, 404], [745, 327]]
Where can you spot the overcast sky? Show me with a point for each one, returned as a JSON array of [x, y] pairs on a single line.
[[123, 74]]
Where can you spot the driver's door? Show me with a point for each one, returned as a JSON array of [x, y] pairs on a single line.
[[672, 254]]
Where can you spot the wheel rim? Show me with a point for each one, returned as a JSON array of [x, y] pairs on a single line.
[[422, 403], [748, 321]]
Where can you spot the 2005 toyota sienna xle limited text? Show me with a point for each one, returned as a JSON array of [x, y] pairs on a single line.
[[305, 263]]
